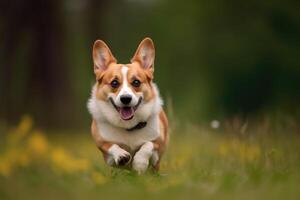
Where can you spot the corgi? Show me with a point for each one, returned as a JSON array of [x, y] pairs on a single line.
[[129, 125]]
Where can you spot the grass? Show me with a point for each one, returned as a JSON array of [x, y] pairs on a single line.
[[200, 163]]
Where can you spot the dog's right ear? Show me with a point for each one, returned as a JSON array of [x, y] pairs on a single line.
[[102, 56]]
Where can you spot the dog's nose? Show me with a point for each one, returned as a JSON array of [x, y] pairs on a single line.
[[125, 99]]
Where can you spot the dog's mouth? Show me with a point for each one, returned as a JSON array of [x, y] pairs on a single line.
[[126, 112]]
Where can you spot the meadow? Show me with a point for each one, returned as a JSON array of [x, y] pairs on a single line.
[[249, 162]]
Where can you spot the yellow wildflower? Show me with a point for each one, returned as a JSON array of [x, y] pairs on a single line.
[[5, 167], [21, 130], [63, 162], [24, 159], [37, 143], [25, 125], [98, 178]]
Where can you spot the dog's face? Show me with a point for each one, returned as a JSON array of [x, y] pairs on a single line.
[[124, 87]]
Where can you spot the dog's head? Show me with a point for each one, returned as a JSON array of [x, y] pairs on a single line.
[[124, 87]]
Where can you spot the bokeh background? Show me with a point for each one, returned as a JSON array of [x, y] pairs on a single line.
[[214, 59], [228, 72]]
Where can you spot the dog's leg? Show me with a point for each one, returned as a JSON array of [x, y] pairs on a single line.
[[116, 156], [113, 154], [141, 158], [155, 160], [159, 144]]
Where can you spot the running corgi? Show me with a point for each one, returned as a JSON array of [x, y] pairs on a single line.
[[129, 125]]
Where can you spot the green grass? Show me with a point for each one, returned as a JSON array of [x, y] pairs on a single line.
[[199, 163]]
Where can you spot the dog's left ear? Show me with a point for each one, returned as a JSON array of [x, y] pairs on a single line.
[[145, 54]]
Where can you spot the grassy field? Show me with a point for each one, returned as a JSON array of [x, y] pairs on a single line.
[[200, 163]]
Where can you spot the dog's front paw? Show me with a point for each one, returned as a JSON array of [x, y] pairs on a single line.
[[123, 160], [140, 164], [120, 156]]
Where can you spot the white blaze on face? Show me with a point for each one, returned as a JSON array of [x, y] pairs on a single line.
[[125, 89]]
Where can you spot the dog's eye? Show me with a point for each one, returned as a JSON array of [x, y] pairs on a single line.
[[136, 83], [115, 84]]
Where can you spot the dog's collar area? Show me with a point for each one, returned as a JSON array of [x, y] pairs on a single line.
[[139, 126]]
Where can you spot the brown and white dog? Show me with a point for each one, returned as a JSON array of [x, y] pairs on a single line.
[[129, 125]]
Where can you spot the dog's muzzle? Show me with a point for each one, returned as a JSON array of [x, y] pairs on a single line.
[[126, 112]]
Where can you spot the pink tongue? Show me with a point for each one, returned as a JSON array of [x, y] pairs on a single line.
[[126, 113]]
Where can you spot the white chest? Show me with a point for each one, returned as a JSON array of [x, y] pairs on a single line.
[[132, 139]]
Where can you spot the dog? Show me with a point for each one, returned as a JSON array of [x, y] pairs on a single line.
[[129, 125]]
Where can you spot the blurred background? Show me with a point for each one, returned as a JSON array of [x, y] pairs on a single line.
[[214, 59], [228, 71]]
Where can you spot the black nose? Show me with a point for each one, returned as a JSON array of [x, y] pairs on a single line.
[[125, 99]]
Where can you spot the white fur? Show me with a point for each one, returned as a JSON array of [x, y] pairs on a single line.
[[113, 129], [115, 153], [132, 139], [141, 158], [125, 90]]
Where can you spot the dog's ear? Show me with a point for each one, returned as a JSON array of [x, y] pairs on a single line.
[[102, 56], [145, 54]]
